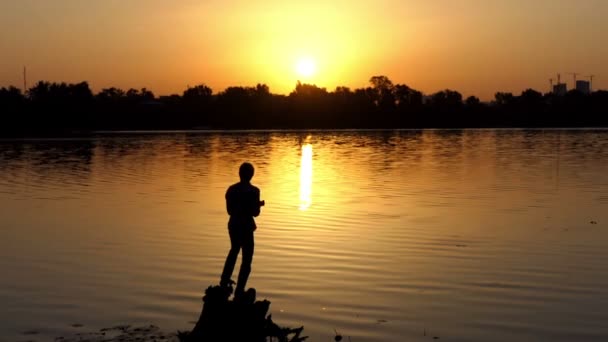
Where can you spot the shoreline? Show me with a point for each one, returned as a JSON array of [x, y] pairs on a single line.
[[82, 135]]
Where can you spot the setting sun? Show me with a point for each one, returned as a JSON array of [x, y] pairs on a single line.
[[306, 67]]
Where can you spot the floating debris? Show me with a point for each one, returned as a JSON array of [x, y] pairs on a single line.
[[118, 327], [338, 337], [123, 333], [31, 332]]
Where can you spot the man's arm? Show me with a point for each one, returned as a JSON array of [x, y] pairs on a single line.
[[256, 206], [229, 203]]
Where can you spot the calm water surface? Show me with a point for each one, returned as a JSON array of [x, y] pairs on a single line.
[[467, 235]]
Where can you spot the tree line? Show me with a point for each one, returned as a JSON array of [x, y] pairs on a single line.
[[61, 107]]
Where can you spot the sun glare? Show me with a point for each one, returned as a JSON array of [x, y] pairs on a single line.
[[306, 177], [306, 67]]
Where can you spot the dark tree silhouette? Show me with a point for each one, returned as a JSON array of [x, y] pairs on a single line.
[[384, 98], [196, 105], [198, 93], [472, 102], [59, 108], [111, 94], [504, 99]]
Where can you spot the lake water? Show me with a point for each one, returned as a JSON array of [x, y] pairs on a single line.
[[473, 235]]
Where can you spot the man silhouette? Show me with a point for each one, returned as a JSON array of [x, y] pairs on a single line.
[[243, 204]]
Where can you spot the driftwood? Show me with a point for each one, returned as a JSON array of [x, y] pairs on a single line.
[[244, 319]]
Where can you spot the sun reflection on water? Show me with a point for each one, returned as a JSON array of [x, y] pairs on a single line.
[[306, 177]]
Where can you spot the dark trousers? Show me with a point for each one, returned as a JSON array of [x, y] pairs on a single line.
[[239, 239]]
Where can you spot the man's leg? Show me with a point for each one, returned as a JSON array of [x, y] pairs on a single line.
[[235, 246], [247, 258]]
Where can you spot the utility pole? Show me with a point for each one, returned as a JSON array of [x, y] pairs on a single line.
[[24, 80]]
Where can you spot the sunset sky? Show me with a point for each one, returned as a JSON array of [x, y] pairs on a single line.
[[477, 47]]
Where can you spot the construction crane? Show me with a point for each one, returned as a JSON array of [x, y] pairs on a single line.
[[574, 74], [591, 82]]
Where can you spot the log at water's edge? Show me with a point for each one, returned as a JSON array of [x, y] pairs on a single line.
[[244, 319]]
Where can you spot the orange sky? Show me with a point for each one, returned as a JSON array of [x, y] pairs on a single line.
[[473, 46]]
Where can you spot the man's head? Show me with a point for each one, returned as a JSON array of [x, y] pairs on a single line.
[[246, 172]]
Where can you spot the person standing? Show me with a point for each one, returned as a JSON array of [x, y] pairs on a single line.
[[243, 204]]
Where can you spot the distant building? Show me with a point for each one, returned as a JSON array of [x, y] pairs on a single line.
[[583, 86], [560, 89]]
